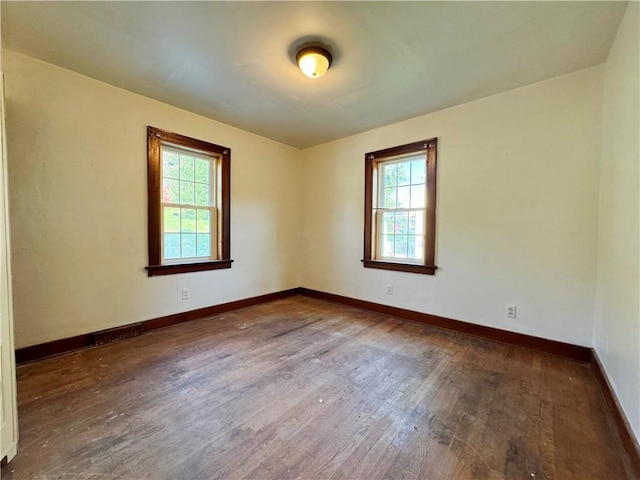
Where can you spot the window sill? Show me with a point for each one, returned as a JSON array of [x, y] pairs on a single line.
[[400, 267], [153, 270]]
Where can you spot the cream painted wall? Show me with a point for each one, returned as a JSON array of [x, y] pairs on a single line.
[[517, 211], [617, 312], [77, 173]]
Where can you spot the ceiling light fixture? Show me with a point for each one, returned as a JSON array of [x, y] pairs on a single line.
[[314, 61]]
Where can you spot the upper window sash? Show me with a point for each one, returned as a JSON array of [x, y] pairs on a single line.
[[212, 162]]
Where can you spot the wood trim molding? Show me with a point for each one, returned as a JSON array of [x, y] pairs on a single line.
[[155, 139], [567, 350], [371, 160], [53, 348], [66, 345], [205, 312], [430, 218], [153, 270], [400, 267], [573, 352], [619, 418]]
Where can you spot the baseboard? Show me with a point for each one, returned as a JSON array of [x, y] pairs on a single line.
[[53, 348], [87, 340], [620, 419], [66, 345], [169, 320], [567, 350]]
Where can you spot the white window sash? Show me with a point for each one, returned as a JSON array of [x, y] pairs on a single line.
[[377, 235], [378, 210], [214, 228], [213, 212]]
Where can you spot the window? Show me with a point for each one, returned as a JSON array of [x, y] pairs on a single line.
[[188, 189], [400, 208]]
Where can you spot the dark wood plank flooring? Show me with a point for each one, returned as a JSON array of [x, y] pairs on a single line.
[[301, 388]]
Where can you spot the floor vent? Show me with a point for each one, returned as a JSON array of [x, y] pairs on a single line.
[[117, 334]]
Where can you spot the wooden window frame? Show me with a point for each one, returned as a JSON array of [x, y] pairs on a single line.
[[371, 160], [155, 138]]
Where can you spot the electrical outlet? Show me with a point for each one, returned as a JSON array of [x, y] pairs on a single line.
[[185, 294], [389, 289], [512, 311]]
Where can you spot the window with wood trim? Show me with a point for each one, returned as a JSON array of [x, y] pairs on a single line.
[[188, 195], [400, 208]]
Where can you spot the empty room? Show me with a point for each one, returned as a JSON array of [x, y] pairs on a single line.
[[320, 240]]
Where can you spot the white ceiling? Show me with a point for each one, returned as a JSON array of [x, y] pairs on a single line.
[[232, 61]]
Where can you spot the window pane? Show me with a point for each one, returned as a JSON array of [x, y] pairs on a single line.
[[416, 223], [415, 247], [411, 247], [388, 222], [170, 191], [390, 175], [169, 164], [402, 220], [404, 173], [387, 245], [171, 245], [203, 245], [400, 247], [404, 196], [189, 245], [204, 221], [202, 194], [188, 220], [390, 197], [171, 220], [187, 192], [417, 171], [417, 196], [187, 167], [202, 170]]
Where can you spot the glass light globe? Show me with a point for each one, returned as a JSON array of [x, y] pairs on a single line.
[[313, 65], [314, 61]]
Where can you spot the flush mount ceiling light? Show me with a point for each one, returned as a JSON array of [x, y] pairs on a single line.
[[314, 61]]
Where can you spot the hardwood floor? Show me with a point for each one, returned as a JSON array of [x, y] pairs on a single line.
[[301, 388]]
